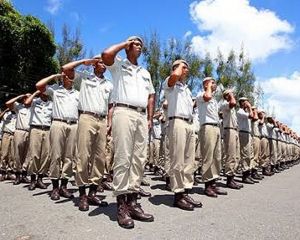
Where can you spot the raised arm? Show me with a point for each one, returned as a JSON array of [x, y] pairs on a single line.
[[2, 113], [208, 92], [231, 100], [109, 54], [41, 85], [72, 65], [29, 100], [176, 75], [10, 103]]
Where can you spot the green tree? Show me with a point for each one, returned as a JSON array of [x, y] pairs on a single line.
[[71, 48], [26, 51]]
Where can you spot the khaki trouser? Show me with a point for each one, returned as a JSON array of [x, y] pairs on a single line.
[[256, 150], [21, 142], [109, 148], [38, 151], [130, 137], [211, 152], [245, 150], [182, 155], [155, 151], [264, 153], [231, 151], [7, 152], [165, 153], [198, 157], [279, 153], [91, 142], [63, 149], [273, 151]]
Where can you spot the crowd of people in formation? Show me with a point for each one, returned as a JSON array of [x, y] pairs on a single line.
[[107, 134]]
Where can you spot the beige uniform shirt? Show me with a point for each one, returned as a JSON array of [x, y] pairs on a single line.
[[208, 111], [180, 103], [65, 102], [263, 130], [9, 122], [95, 93], [23, 116], [244, 121], [131, 84], [229, 115], [41, 112]]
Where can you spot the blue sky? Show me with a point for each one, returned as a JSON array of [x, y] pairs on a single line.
[[268, 29]]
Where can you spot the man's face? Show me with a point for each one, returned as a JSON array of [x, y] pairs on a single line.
[[185, 71], [260, 115], [99, 67], [68, 78], [135, 48], [213, 84]]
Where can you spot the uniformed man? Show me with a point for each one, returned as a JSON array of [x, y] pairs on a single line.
[[255, 145], [39, 145], [231, 138], [264, 153], [133, 98], [271, 125], [94, 96], [9, 119], [181, 136], [63, 130], [210, 136], [21, 136], [244, 116]]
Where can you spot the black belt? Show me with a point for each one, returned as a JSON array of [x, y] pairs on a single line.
[[138, 109], [97, 115], [261, 137], [41, 127], [243, 131], [182, 118], [211, 124], [65, 121], [21, 129], [231, 128], [255, 136]]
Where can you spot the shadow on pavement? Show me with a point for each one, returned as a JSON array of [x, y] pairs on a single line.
[[165, 199], [110, 211]]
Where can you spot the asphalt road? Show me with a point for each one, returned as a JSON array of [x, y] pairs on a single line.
[[268, 210]]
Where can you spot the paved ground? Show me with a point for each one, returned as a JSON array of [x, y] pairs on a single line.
[[269, 210]]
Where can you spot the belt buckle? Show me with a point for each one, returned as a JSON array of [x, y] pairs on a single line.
[[139, 109], [190, 121], [68, 121]]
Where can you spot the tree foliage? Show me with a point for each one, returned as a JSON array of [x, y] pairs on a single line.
[[26, 51]]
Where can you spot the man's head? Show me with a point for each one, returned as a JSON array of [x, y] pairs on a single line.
[[43, 96], [99, 66], [185, 68], [68, 78], [134, 49], [261, 113], [242, 101], [209, 80], [227, 93]]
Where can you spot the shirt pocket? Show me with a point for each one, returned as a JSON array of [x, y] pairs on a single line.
[[127, 74]]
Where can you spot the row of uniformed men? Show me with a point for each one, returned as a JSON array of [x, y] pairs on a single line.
[[127, 103]]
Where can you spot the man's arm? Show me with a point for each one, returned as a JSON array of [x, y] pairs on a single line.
[[249, 108], [208, 92], [29, 100], [72, 65], [41, 85], [150, 109], [232, 101], [10, 103], [2, 113], [175, 75], [109, 54]]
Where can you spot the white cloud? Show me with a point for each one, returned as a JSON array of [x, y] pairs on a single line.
[[282, 95], [53, 6], [187, 34], [229, 24]]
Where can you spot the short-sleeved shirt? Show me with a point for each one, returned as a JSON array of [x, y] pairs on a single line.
[[243, 120], [65, 102], [208, 111], [271, 131], [95, 93], [180, 103], [9, 122], [263, 130], [229, 115], [23, 116], [131, 84], [41, 114]]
